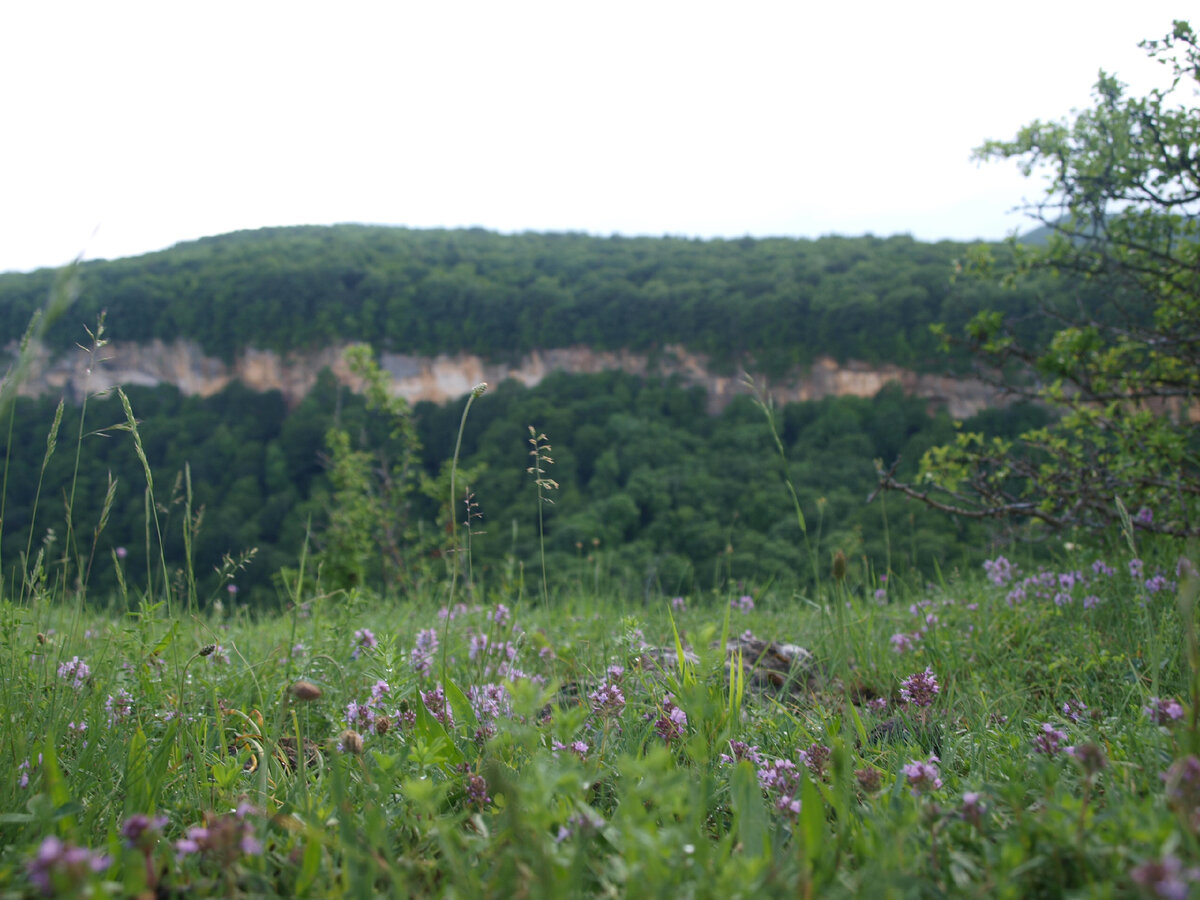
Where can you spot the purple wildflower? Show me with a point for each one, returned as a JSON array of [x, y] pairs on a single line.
[[421, 656], [477, 791], [1049, 741], [63, 868], [678, 604], [142, 831], [923, 776], [1163, 710], [75, 671], [672, 724], [364, 639], [607, 700], [119, 707], [999, 571], [972, 808], [1144, 517], [740, 750], [435, 702], [744, 603], [902, 642], [1164, 877], [1100, 567], [815, 759], [502, 615], [920, 688], [1157, 583], [1136, 566], [1073, 711]]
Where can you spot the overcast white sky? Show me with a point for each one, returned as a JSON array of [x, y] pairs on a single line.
[[131, 126]]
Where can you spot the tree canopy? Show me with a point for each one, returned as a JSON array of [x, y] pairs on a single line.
[[1122, 366]]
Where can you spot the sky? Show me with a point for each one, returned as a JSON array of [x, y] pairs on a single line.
[[130, 126]]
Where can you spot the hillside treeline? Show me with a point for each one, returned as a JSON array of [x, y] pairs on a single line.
[[768, 304], [656, 490]]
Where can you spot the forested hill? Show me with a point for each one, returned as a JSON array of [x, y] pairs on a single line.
[[770, 304]]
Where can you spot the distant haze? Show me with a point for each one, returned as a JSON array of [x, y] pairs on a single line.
[[131, 126]]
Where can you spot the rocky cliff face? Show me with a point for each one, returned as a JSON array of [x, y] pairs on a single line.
[[445, 377]]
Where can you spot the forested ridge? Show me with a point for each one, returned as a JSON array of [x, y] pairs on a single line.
[[664, 493], [770, 304]]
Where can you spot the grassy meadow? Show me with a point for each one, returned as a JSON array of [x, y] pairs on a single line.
[[1024, 730]]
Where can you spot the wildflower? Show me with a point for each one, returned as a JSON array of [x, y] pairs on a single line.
[[999, 571], [1073, 711], [477, 646], [1049, 741], [218, 655], [1164, 877], [141, 831], [435, 702], [1091, 601], [379, 690], [881, 595], [1157, 583], [364, 639], [119, 707], [1100, 567], [584, 822], [744, 603], [1163, 710], [815, 759], [350, 742], [477, 794], [902, 642], [1135, 568], [421, 656], [75, 671], [741, 750], [1183, 789], [877, 704], [672, 725], [224, 837], [869, 779], [232, 589], [678, 604], [305, 691], [781, 778], [1144, 517], [923, 776], [23, 779], [972, 808], [607, 700], [77, 729], [920, 689], [63, 868], [122, 553], [1089, 757]]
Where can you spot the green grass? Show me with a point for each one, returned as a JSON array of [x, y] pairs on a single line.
[[588, 742], [489, 807]]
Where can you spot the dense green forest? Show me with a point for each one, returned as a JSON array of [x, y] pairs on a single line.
[[768, 304], [652, 486], [653, 489]]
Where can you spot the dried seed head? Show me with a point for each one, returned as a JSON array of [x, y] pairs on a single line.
[[41, 638], [207, 649], [480, 389], [350, 741], [839, 566], [305, 690], [382, 724]]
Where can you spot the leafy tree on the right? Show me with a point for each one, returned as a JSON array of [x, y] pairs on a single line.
[[1122, 368]]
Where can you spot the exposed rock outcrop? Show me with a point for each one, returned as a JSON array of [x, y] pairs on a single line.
[[448, 376]]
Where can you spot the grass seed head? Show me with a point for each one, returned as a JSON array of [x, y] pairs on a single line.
[[305, 690]]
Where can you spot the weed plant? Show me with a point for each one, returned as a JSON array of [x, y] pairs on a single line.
[[1002, 733]]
